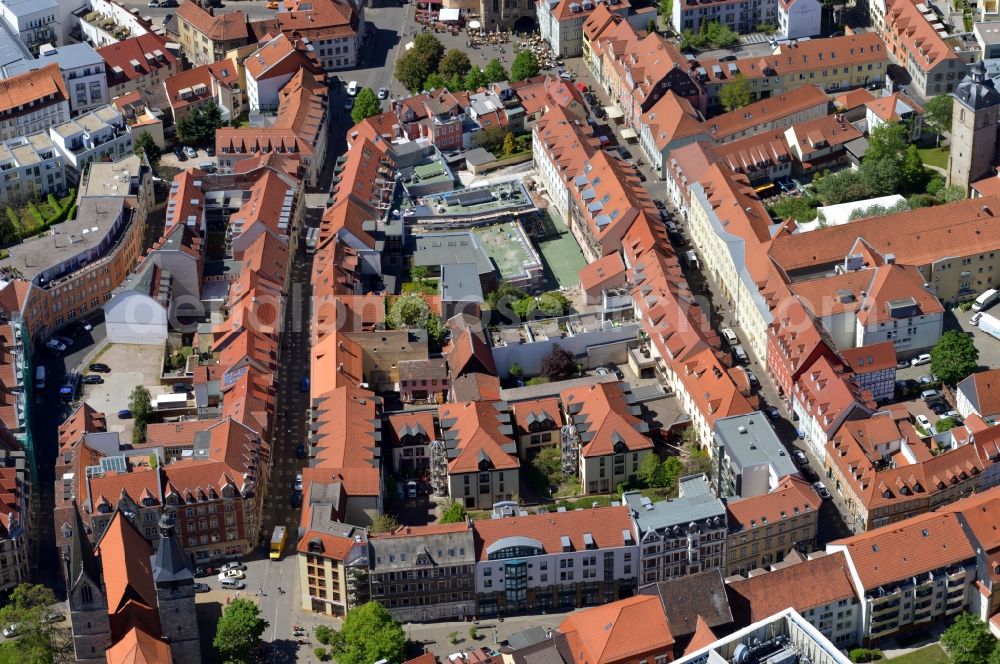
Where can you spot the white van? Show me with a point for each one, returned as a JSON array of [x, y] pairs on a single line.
[[39, 378], [986, 300], [692, 260]]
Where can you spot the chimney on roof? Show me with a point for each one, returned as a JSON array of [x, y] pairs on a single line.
[[986, 210]]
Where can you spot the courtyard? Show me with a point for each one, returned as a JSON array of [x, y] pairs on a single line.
[[560, 251], [131, 365], [509, 248]]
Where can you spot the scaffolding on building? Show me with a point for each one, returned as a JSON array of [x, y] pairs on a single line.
[[570, 449], [439, 467]]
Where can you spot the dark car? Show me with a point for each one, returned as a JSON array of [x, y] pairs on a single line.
[[182, 388], [304, 384], [202, 572], [201, 587], [169, 3], [100, 367], [296, 499], [660, 205], [92, 379], [615, 370], [300, 451], [179, 153], [210, 150], [727, 58], [124, 414]]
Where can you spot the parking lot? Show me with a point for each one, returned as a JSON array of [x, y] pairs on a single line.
[[170, 159], [131, 365]]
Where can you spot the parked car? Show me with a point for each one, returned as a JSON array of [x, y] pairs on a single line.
[[100, 367], [926, 379], [232, 574], [53, 616], [660, 205], [182, 388], [752, 378], [201, 587], [821, 489], [615, 370], [304, 384], [772, 413], [975, 318], [349, 103], [923, 358], [232, 584], [124, 414], [296, 500], [800, 457], [153, 3], [190, 152], [411, 489], [300, 451], [939, 407], [55, 344], [602, 371], [210, 151], [924, 422], [930, 395], [169, 3], [352, 88], [383, 93], [729, 336], [12, 630], [202, 572], [179, 153], [903, 364], [92, 379], [298, 482], [233, 565]]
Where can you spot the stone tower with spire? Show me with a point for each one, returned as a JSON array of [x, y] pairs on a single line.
[[88, 605], [973, 128], [174, 581]]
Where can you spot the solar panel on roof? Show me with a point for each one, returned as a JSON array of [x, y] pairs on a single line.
[[232, 377]]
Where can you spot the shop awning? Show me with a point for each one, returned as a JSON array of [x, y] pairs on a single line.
[[614, 112], [628, 133], [448, 15]]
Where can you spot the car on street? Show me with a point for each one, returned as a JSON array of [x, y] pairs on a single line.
[[924, 422], [752, 378], [300, 451], [232, 584], [821, 489], [352, 88], [53, 616], [202, 572], [800, 457], [124, 414], [201, 587], [903, 364], [660, 205], [232, 574], [930, 395], [304, 384], [298, 482], [975, 318], [349, 103], [92, 379], [296, 500], [383, 93], [190, 152], [153, 3], [55, 345], [233, 565], [11, 630], [729, 336], [179, 153], [99, 367], [923, 358], [411, 489], [169, 3]]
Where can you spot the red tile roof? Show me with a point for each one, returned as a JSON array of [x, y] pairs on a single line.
[[775, 109], [605, 524], [41, 86], [226, 27], [128, 575], [620, 631], [984, 390], [122, 54], [526, 412], [335, 547], [605, 272], [875, 357], [793, 496], [604, 419], [474, 426]]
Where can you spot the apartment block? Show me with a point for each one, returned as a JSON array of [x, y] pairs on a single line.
[[334, 29], [35, 22], [682, 536], [33, 102], [560, 22], [98, 136], [83, 72], [138, 64], [30, 168], [15, 518], [478, 453], [874, 368], [333, 568], [752, 459], [206, 38]]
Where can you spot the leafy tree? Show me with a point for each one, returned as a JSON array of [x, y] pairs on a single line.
[[559, 364], [384, 523], [370, 634], [914, 173], [951, 193], [799, 208], [454, 63], [524, 307], [238, 633], [954, 357], [473, 633], [476, 78], [436, 331], [887, 141], [968, 640], [670, 471], [366, 104], [200, 125], [145, 145], [721, 35], [882, 177], [525, 66], [515, 371], [407, 310], [666, 8], [945, 424], [553, 303], [27, 606], [413, 68], [141, 404], [651, 26], [878, 210], [455, 513], [767, 28], [430, 47], [419, 273], [841, 187], [548, 462], [456, 83], [435, 81], [495, 71], [937, 115], [736, 93], [508, 144], [505, 292], [649, 469]]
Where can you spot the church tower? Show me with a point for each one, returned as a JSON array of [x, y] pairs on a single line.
[[174, 581], [88, 605], [973, 128]]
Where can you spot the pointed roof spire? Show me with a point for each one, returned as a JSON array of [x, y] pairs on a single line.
[[170, 565], [82, 560]]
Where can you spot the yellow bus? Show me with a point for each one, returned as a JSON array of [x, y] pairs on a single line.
[[277, 542]]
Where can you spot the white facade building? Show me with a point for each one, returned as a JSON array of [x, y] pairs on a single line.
[[799, 18], [36, 22], [82, 70], [93, 137], [30, 168]]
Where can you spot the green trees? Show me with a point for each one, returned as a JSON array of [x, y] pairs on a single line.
[[430, 47], [238, 633], [407, 310], [384, 523], [559, 364], [954, 357], [366, 104], [476, 78], [508, 144], [968, 641], [736, 93], [525, 66], [799, 208], [141, 404], [937, 114], [665, 8], [553, 303], [145, 145], [412, 70], [515, 371], [710, 35], [455, 513], [878, 210], [200, 125], [27, 606], [369, 634], [495, 71], [945, 424], [454, 63]]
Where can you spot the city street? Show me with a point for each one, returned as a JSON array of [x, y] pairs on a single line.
[[254, 9]]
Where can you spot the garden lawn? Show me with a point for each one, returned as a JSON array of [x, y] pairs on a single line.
[[932, 654], [934, 156]]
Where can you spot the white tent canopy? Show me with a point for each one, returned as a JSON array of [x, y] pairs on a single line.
[[448, 16]]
